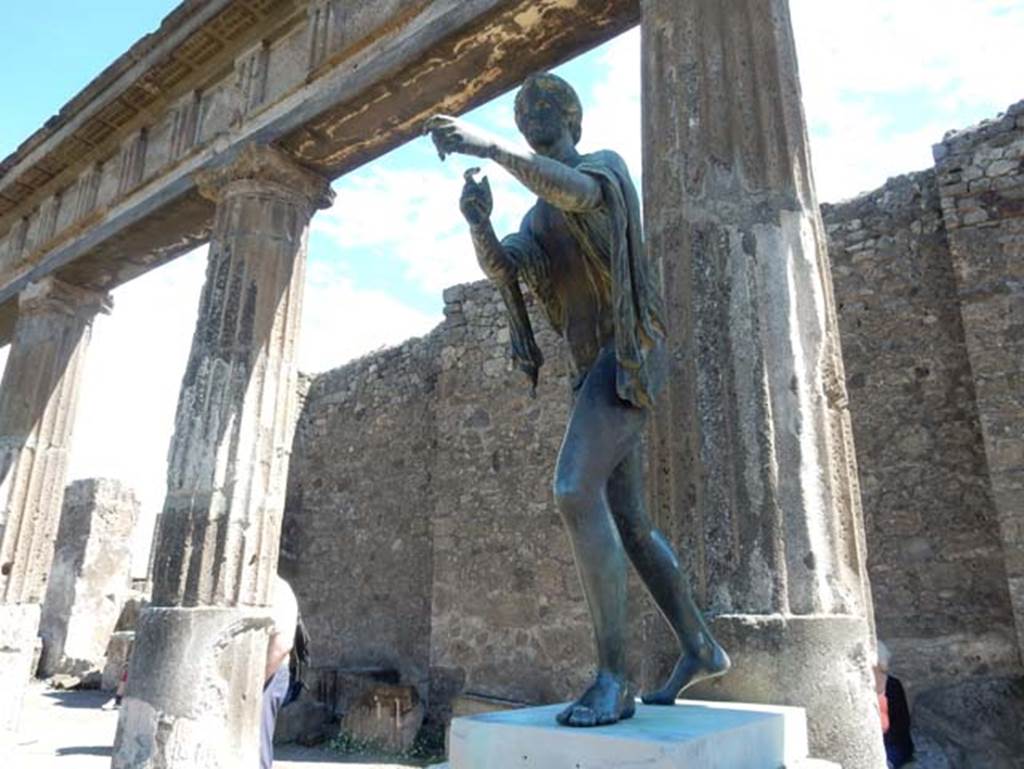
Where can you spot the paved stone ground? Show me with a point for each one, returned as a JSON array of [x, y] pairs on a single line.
[[71, 730]]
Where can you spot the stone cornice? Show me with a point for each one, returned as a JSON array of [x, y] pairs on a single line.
[[265, 168]]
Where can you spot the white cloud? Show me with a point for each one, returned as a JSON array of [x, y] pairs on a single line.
[[341, 322], [957, 59], [413, 215], [611, 118], [967, 48], [130, 385]]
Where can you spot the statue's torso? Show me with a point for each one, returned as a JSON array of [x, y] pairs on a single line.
[[573, 299]]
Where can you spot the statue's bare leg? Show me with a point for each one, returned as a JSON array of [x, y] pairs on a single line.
[[701, 656], [601, 431]]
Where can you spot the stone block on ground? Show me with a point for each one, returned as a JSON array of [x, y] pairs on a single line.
[[386, 716], [708, 735], [304, 721], [344, 687], [90, 577], [131, 609], [119, 650]]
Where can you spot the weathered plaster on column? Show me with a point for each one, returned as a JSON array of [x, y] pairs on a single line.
[[754, 463], [38, 397], [194, 690], [228, 460]]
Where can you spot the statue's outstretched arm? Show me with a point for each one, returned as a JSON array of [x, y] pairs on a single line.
[[559, 184]]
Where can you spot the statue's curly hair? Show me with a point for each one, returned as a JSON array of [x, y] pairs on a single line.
[[561, 93]]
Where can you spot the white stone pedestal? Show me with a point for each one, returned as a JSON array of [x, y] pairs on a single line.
[[691, 735]]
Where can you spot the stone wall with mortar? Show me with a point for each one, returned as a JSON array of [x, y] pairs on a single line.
[[356, 539], [440, 437], [981, 180], [935, 555], [508, 617]]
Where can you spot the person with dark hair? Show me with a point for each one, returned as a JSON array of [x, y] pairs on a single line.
[[277, 681], [899, 746], [580, 251]]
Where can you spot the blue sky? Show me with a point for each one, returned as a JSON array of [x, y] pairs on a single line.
[[882, 81]]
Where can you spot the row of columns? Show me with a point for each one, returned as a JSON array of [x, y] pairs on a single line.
[[756, 456]]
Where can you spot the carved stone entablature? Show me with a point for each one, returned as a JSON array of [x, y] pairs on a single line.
[[48, 214], [251, 68], [88, 190], [324, 17], [266, 169], [50, 295], [185, 124], [133, 161]]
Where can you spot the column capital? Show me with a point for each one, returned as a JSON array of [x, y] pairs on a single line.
[[50, 295], [260, 167]]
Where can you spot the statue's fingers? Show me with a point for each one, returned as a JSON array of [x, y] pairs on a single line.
[[436, 121], [439, 146]]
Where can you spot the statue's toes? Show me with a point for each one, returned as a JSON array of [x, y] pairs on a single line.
[[564, 717], [660, 697], [629, 710], [577, 715], [604, 719]]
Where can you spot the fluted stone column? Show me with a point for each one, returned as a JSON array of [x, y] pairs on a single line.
[[754, 470], [38, 398], [196, 675]]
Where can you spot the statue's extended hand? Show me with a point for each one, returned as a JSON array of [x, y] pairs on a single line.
[[452, 135], [476, 201]]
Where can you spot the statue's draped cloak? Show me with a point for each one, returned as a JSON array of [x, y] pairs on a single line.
[[611, 242]]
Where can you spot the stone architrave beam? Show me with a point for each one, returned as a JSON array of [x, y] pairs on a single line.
[[217, 545], [38, 399], [754, 460]]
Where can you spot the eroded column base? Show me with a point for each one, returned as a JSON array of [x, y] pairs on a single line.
[[194, 688], [19, 624], [821, 663]]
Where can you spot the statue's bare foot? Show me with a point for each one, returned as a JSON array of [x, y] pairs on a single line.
[[691, 668], [605, 702]]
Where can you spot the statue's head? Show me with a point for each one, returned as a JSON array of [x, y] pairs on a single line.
[[547, 106]]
